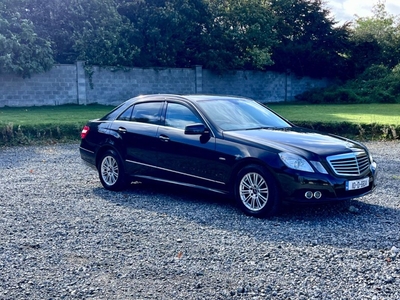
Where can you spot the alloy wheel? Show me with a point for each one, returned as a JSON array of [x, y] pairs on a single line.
[[109, 170], [253, 191]]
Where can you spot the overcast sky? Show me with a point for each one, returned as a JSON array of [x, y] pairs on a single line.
[[344, 10]]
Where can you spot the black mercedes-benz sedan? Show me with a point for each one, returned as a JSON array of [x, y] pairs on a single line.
[[228, 145]]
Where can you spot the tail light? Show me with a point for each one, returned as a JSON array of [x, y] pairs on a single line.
[[85, 131]]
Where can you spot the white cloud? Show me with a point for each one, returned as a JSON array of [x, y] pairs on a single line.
[[346, 10]]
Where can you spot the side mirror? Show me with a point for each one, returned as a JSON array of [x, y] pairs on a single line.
[[196, 129]]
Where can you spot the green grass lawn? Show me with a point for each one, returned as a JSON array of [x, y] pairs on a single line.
[[384, 114], [58, 115], [29, 125]]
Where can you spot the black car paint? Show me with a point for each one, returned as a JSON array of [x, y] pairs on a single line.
[[211, 160]]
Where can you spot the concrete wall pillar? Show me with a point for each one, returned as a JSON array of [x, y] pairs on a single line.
[[198, 79], [288, 86], [81, 82]]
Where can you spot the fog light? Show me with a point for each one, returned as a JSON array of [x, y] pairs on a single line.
[[308, 195], [317, 195]]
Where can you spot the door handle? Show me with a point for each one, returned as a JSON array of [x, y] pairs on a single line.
[[122, 129], [164, 138]]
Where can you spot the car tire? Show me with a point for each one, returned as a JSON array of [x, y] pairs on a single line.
[[111, 171], [256, 192]]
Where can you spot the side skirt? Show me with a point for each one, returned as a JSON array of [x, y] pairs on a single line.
[[181, 184]]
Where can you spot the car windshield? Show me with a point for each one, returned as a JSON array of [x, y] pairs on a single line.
[[240, 114]]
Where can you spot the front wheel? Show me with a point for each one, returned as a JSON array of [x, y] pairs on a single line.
[[111, 171], [256, 192]]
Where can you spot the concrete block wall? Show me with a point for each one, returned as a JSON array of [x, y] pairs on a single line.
[[261, 86], [69, 84], [55, 87], [115, 87], [299, 85]]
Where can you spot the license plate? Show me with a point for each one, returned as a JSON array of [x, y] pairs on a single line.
[[357, 184]]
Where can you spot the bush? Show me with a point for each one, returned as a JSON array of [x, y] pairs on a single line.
[[358, 131], [11, 135], [330, 95], [311, 96], [375, 72], [381, 96], [378, 84], [342, 95]]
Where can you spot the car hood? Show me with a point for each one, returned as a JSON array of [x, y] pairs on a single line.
[[294, 139]]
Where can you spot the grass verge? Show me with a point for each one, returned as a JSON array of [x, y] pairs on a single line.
[[359, 121], [12, 135], [375, 113], [54, 124], [46, 124]]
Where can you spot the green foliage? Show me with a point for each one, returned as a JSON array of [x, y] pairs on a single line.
[[374, 72], [376, 40], [282, 35], [92, 31], [239, 36], [310, 43], [341, 95], [371, 131], [22, 51], [57, 21], [11, 135], [103, 37], [166, 33], [217, 34], [331, 95], [378, 84]]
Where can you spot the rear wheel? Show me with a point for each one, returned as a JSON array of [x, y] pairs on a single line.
[[111, 171], [256, 192]]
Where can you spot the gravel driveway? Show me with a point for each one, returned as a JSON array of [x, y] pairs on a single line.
[[64, 236]]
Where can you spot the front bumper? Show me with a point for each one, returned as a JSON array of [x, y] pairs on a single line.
[[295, 184]]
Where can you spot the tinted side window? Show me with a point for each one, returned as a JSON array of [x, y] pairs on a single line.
[[147, 112], [126, 115], [179, 116]]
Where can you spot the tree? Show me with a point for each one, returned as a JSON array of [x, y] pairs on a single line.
[[22, 51], [376, 39], [166, 33], [102, 36], [240, 35], [310, 43], [218, 34], [89, 30]]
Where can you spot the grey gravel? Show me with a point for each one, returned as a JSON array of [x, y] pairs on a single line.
[[64, 237]]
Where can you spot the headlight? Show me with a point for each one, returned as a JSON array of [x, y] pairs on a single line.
[[296, 162]]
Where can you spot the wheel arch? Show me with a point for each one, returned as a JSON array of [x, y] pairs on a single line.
[[256, 190], [103, 149], [247, 162]]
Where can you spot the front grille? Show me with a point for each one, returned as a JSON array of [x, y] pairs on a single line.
[[349, 164]]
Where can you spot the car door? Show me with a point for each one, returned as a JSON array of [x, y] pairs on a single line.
[[137, 127], [189, 158]]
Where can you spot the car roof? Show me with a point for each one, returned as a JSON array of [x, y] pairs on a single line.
[[190, 97], [212, 97]]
